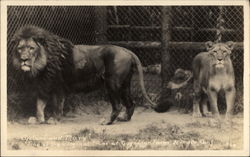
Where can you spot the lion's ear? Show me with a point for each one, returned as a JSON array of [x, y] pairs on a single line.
[[209, 45], [230, 44], [14, 40]]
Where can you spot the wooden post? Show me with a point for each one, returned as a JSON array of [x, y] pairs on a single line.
[[219, 25], [167, 68], [101, 24], [192, 24]]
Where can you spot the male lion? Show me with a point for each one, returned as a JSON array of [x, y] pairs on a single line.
[[213, 72], [55, 67]]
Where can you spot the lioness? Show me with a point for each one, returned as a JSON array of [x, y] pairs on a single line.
[[213, 71], [54, 68]]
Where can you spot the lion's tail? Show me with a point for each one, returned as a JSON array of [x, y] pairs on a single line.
[[141, 80]]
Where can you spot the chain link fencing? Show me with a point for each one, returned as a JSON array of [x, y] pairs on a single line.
[[137, 28], [201, 24]]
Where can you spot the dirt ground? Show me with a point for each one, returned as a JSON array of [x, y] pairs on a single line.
[[147, 130]]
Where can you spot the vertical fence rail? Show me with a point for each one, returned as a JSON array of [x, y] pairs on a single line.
[[101, 24], [166, 68]]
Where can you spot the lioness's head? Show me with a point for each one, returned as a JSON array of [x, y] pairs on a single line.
[[29, 55], [220, 52]]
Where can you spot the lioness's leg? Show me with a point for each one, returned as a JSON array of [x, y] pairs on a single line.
[[205, 111], [40, 105], [230, 98], [196, 100], [212, 97]]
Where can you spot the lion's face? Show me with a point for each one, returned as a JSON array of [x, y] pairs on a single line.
[[29, 56], [219, 52]]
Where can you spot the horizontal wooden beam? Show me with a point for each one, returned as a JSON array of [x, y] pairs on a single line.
[[172, 45], [202, 29], [137, 44], [187, 45], [146, 27], [134, 27], [214, 30], [196, 45], [118, 26], [174, 28]]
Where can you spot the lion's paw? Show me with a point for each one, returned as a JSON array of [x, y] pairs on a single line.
[[197, 115], [105, 122], [32, 120], [123, 118], [208, 114], [52, 121]]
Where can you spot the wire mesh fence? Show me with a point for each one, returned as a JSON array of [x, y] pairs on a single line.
[[208, 23], [199, 24], [138, 28]]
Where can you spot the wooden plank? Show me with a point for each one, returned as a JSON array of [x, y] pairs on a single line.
[[118, 26], [174, 28], [214, 30], [166, 38], [167, 70], [146, 27], [172, 45], [203, 29], [137, 44], [196, 45], [134, 27]]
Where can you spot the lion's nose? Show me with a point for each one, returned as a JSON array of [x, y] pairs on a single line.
[[24, 59], [219, 59]]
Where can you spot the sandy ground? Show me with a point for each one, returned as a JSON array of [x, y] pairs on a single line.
[[20, 133]]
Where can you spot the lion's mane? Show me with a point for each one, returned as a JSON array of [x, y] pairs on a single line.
[[51, 78]]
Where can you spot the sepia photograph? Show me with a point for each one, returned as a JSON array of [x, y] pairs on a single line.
[[125, 78]]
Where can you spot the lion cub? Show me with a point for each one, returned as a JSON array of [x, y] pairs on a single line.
[[213, 71]]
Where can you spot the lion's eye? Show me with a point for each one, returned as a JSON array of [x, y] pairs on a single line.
[[19, 49]]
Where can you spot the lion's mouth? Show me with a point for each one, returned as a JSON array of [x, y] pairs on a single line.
[[219, 64], [25, 66]]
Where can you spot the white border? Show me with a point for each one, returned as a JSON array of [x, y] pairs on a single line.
[[4, 4], [124, 2], [3, 77]]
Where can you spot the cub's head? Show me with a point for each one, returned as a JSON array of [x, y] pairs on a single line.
[[29, 54], [219, 52]]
